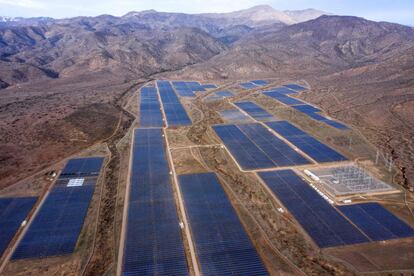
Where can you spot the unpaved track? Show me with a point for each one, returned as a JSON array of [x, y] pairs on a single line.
[[103, 253]]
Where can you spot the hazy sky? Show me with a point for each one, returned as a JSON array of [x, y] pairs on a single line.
[[401, 11]]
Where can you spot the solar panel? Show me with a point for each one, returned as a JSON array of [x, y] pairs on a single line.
[[283, 98], [150, 108], [153, 243], [376, 221], [260, 82], [56, 227], [295, 87], [324, 224], [276, 149], [174, 111], [235, 116], [209, 86], [220, 95], [313, 113], [222, 245], [195, 86], [247, 154], [335, 124], [282, 90], [13, 211], [82, 167], [254, 147], [309, 145], [255, 111], [306, 108], [248, 85]]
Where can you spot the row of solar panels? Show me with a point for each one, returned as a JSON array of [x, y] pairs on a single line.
[[254, 84], [187, 88], [173, 109], [153, 244], [55, 228], [255, 147], [150, 108], [327, 225], [281, 94]]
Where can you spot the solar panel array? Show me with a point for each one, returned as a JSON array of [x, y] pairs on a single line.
[[174, 110], [248, 85], [222, 245], [13, 211], [220, 95], [82, 167], [209, 86], [235, 116], [282, 98], [324, 224], [150, 108], [183, 89], [282, 90], [255, 111], [295, 87], [195, 86], [153, 244], [260, 82], [254, 147], [306, 108], [313, 113], [377, 222], [56, 227], [306, 143]]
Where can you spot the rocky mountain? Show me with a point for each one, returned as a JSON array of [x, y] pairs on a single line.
[[138, 43], [305, 15], [266, 15], [84, 45], [324, 45]]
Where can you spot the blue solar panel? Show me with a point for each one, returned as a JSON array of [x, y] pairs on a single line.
[[224, 93], [186, 93], [281, 90], [153, 244], [195, 86], [283, 98], [235, 116], [255, 111], [309, 145], [174, 111], [82, 167], [248, 85], [260, 82], [220, 95], [321, 221], [313, 113], [336, 124], [254, 147], [377, 222], [221, 243], [247, 154], [295, 87], [277, 150], [209, 86], [57, 225], [306, 108], [150, 108], [13, 211]]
